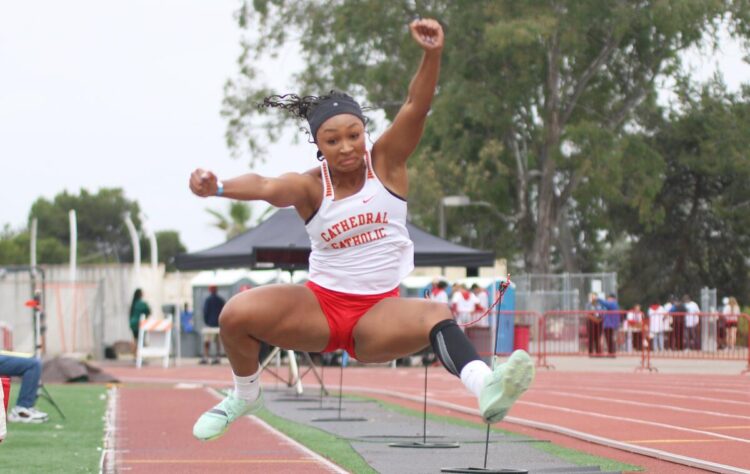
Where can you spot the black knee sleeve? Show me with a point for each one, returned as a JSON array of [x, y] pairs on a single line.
[[452, 346]]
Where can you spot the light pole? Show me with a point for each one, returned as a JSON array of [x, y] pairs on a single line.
[[457, 201], [449, 201]]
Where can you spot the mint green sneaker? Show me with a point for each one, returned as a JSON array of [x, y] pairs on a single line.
[[215, 421], [504, 385]]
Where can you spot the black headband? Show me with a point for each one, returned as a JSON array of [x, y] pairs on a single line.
[[329, 107]]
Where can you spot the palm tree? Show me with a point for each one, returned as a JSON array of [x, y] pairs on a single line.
[[238, 219]]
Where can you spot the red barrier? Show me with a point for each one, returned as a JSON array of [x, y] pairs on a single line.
[[624, 333], [530, 326], [526, 331], [585, 332], [701, 335], [627, 334], [5, 387], [6, 337]]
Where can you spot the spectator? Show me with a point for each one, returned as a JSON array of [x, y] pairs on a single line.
[[634, 329], [483, 299], [731, 313], [30, 371], [211, 310], [721, 325], [463, 304], [438, 292], [611, 321], [594, 325], [138, 307], [668, 321], [657, 324], [691, 323], [677, 312]]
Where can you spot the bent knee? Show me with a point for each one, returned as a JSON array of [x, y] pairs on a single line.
[[437, 312], [234, 316]]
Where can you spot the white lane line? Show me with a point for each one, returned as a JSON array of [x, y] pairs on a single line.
[[129, 379], [648, 405], [651, 452], [633, 420], [333, 467], [688, 380], [739, 385], [745, 392], [611, 443], [651, 393], [108, 461]]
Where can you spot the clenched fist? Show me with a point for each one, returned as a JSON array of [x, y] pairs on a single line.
[[203, 183], [427, 33]]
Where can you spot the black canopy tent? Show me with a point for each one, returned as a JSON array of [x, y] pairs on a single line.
[[282, 242]]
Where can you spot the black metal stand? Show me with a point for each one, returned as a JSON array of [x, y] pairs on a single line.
[[485, 469], [42, 392], [424, 444], [322, 393], [486, 451], [291, 381], [36, 304], [339, 418]]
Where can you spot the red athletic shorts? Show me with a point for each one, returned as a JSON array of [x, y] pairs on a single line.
[[342, 311]]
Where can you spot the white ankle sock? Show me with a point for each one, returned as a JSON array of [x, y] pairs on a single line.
[[473, 375], [247, 387]]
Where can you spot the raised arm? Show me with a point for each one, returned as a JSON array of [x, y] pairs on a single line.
[[290, 189], [402, 137]]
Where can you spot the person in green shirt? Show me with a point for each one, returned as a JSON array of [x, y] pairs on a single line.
[[137, 308]]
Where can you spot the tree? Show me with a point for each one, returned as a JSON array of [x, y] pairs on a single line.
[[102, 235], [13, 248], [168, 245], [704, 236], [238, 219], [536, 104]]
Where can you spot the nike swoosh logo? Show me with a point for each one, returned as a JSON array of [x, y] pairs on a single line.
[[365, 201]]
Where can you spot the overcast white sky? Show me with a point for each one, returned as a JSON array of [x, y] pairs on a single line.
[[122, 94], [127, 94]]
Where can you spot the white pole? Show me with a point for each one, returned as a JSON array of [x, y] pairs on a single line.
[[136, 248], [73, 243], [154, 251], [34, 223]]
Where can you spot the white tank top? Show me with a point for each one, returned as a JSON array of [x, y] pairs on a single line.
[[360, 244]]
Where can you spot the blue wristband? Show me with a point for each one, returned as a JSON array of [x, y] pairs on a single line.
[[219, 188]]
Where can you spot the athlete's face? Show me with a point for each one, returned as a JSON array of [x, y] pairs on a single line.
[[341, 139]]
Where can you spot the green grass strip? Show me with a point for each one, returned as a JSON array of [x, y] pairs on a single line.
[[322, 442], [70, 445], [567, 454]]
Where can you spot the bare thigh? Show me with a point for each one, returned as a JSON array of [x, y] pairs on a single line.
[[286, 316], [396, 327]]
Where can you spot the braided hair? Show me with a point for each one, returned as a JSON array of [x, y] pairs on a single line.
[[315, 109], [294, 104]]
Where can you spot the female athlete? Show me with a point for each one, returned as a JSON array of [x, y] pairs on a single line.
[[354, 208]]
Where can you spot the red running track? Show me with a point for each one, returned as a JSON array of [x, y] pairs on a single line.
[[691, 420], [695, 420], [154, 435]]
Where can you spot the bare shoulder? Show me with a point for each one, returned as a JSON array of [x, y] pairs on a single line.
[[312, 173], [310, 180], [309, 185], [392, 173]]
